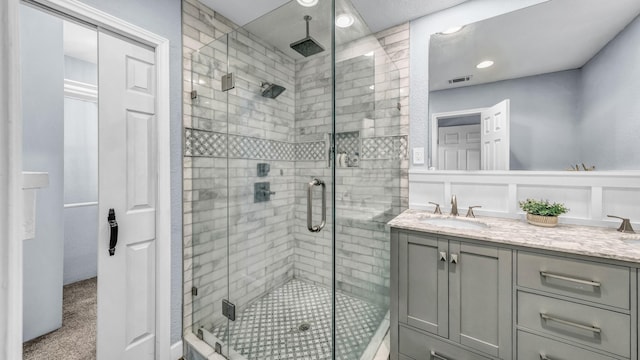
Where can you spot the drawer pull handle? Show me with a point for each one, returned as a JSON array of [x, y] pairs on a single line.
[[545, 357], [570, 279], [593, 329], [443, 256], [435, 355]]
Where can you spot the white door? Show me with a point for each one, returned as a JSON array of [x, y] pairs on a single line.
[[127, 183], [495, 137], [459, 147]]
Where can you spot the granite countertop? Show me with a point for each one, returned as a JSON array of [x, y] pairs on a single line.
[[600, 242]]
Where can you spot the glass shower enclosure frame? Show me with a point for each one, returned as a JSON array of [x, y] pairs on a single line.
[[293, 167]]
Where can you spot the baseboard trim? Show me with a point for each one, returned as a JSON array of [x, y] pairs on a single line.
[[176, 350]]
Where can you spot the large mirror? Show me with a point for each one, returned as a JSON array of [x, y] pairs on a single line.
[[548, 87]]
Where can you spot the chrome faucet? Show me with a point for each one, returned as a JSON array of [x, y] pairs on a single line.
[[454, 206]]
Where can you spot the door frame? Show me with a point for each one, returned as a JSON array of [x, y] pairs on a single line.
[[11, 165], [435, 118]]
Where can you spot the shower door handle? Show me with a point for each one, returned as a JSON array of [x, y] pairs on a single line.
[[310, 226], [113, 226]]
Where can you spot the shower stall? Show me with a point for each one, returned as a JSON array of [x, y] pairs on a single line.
[[294, 162]]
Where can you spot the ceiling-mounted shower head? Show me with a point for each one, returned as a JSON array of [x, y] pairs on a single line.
[[307, 46], [271, 91]]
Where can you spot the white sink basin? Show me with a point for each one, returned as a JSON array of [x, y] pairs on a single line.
[[455, 223]]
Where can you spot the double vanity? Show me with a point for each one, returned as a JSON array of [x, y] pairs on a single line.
[[493, 288]]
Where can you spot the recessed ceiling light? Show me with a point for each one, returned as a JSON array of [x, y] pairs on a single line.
[[370, 53], [485, 64], [308, 3], [452, 30], [344, 20]]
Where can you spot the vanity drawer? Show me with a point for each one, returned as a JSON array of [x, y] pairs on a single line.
[[600, 283], [419, 346], [602, 329], [533, 347]]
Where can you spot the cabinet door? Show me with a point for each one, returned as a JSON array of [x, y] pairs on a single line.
[[480, 298], [423, 288]]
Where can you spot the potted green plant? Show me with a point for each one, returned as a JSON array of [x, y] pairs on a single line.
[[542, 212]]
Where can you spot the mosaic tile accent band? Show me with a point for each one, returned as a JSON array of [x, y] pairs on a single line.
[[203, 143], [387, 147], [294, 322], [311, 150]]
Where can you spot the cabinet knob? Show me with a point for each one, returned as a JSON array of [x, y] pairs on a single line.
[[443, 256], [454, 258]]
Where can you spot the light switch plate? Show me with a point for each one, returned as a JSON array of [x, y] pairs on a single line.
[[418, 156]]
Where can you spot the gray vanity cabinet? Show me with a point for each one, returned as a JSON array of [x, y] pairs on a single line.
[[480, 298], [423, 283], [456, 290]]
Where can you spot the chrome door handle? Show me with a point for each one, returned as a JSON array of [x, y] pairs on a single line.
[[576, 325], [570, 279], [443, 256], [310, 226], [454, 259], [435, 355]]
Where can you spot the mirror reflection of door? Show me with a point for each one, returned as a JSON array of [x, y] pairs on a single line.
[[476, 139], [459, 146]]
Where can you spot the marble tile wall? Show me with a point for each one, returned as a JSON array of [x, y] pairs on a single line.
[[249, 129]]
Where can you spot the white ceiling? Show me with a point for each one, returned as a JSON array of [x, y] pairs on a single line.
[[553, 36], [383, 14], [377, 14]]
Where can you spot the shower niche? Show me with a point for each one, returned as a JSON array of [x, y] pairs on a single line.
[[348, 149]]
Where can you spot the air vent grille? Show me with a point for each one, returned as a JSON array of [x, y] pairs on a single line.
[[460, 79]]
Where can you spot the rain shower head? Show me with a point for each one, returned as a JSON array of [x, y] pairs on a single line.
[[271, 91], [307, 46]]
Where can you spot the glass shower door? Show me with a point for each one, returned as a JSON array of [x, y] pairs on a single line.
[[370, 151], [278, 314], [206, 195]]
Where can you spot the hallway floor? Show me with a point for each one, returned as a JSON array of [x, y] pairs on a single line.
[[76, 339]]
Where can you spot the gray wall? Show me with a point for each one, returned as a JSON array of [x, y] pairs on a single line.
[[80, 243], [43, 111], [80, 186], [80, 176], [544, 114], [80, 70], [163, 18], [610, 108]]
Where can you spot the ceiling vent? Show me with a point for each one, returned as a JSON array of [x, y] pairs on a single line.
[[460, 79]]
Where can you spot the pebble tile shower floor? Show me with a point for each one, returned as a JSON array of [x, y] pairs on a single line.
[[273, 327]]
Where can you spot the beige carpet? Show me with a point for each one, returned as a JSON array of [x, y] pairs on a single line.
[[76, 339]]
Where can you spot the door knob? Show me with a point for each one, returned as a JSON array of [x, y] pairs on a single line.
[[113, 226]]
